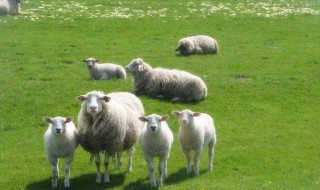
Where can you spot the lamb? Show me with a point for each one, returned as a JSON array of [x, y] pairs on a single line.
[[10, 7], [109, 123], [176, 85], [104, 71], [199, 44], [196, 130], [156, 140], [61, 140]]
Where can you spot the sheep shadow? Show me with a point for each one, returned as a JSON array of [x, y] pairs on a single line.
[[172, 179], [86, 181]]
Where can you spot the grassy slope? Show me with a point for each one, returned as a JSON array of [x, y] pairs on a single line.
[[263, 93]]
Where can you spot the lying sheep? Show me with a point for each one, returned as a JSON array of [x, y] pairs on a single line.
[[156, 140], [104, 71], [196, 131], [10, 7], [197, 45], [176, 85], [61, 141], [109, 123]]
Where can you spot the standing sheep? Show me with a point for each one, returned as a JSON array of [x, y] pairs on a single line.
[[196, 130], [61, 141], [197, 45], [176, 85], [104, 71], [10, 7], [156, 140], [109, 123]]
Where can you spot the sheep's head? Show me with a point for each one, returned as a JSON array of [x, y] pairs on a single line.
[[154, 122], [135, 66], [90, 62], [186, 116], [183, 48], [94, 101], [58, 124]]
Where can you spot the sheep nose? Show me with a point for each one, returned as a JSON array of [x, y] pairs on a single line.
[[58, 130], [153, 128], [93, 108], [184, 121]]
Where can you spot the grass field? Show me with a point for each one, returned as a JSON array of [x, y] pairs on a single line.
[[263, 87]]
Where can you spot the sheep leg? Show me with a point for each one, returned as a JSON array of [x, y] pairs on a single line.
[[130, 153], [210, 154], [97, 156], [106, 167], [197, 154], [161, 169], [151, 170], [119, 160], [188, 156], [55, 171], [165, 174], [67, 170]]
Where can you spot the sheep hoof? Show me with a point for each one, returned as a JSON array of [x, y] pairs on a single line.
[[160, 97], [55, 184], [176, 99], [106, 179]]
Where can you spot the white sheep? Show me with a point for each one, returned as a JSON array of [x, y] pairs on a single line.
[[156, 140], [176, 85], [199, 44], [109, 123], [10, 7], [196, 130], [61, 140], [104, 71]]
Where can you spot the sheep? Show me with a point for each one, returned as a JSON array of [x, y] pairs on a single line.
[[104, 71], [176, 85], [61, 140], [10, 7], [199, 44], [109, 123], [156, 140], [196, 130]]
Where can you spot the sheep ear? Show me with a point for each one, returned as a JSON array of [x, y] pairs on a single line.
[[176, 113], [47, 119], [106, 98], [96, 60], [84, 60], [196, 114], [69, 119], [144, 119], [164, 118], [81, 98], [140, 68]]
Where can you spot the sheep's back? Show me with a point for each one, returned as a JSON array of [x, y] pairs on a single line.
[[180, 83]]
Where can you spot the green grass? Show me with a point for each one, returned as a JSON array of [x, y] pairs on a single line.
[[264, 87]]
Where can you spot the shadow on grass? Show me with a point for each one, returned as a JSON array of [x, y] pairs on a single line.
[[86, 181], [173, 179]]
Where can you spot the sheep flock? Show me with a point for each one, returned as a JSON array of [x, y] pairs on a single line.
[[114, 122]]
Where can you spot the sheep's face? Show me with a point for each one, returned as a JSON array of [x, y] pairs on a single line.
[[135, 66], [94, 101], [183, 48], [153, 122], [186, 117], [91, 62], [58, 124]]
